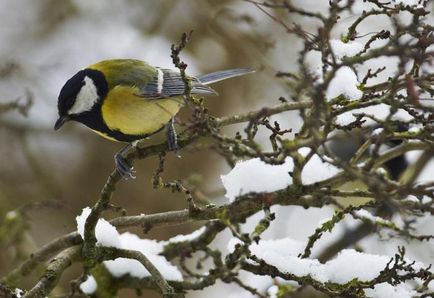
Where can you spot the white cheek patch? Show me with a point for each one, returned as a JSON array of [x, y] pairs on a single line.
[[86, 98]]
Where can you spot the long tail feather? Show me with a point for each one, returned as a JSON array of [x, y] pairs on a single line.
[[201, 89], [223, 75]]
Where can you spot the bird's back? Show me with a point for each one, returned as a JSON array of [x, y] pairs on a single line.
[[125, 72]]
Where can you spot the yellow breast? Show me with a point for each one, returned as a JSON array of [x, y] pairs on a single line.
[[122, 110]]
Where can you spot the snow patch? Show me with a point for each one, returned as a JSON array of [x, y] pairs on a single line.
[[254, 175], [194, 235], [346, 266], [107, 235], [344, 83], [341, 49], [385, 290], [416, 3], [89, 286]]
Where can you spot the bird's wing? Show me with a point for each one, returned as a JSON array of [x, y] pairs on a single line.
[[150, 82], [168, 83]]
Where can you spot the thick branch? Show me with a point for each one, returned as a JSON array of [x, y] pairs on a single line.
[[54, 270], [42, 255], [90, 240]]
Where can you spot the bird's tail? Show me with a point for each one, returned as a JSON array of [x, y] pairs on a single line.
[[200, 83], [223, 75]]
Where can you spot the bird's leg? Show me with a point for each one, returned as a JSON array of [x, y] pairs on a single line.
[[172, 140], [122, 165]]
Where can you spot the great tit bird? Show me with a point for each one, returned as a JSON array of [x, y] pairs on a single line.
[[127, 100]]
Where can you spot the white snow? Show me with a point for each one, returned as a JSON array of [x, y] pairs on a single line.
[[347, 265], [416, 3], [132, 241], [254, 175], [294, 264], [232, 243], [344, 83], [281, 246], [107, 235], [341, 49], [377, 132], [380, 112], [122, 266], [151, 249], [19, 293], [188, 237], [415, 129], [272, 291], [314, 64], [89, 286], [412, 199], [426, 200], [385, 290], [350, 264], [316, 170]]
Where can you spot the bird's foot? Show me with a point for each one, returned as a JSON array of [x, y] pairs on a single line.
[[172, 139], [122, 166]]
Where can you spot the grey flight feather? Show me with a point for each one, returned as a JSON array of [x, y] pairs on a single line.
[[169, 83], [223, 75]]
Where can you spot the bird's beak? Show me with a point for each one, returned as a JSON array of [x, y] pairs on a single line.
[[60, 122]]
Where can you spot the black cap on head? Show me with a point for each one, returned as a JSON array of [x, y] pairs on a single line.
[[69, 92], [72, 88]]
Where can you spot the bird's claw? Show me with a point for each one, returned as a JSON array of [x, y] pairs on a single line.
[[172, 143], [172, 138], [124, 169]]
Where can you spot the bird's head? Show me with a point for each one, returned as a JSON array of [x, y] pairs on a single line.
[[80, 95]]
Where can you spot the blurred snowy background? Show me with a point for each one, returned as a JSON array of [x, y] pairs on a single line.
[[44, 42]]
